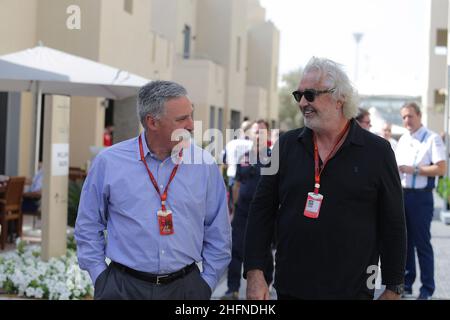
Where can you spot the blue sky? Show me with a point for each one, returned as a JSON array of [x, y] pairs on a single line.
[[392, 52]]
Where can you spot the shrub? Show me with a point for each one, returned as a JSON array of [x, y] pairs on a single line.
[[24, 273]]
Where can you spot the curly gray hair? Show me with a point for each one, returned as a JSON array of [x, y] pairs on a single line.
[[333, 75]]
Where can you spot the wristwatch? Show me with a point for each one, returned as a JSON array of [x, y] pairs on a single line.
[[416, 170], [397, 288]]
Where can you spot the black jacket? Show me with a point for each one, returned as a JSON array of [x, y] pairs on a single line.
[[361, 218]]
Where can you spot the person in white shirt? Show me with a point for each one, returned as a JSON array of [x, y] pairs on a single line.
[[386, 132], [233, 152], [420, 157]]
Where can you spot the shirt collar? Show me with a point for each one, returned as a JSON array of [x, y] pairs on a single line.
[[144, 147], [355, 134], [419, 134], [147, 151]]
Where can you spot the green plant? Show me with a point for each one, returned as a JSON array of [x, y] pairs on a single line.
[[443, 188], [71, 243], [73, 201]]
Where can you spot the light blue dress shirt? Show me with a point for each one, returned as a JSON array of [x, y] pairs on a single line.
[[119, 197]]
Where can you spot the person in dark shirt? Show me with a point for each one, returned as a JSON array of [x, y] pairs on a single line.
[[336, 200], [248, 173]]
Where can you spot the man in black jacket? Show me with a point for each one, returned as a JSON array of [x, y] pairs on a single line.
[[336, 200]]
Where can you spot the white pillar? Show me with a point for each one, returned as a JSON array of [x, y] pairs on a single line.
[[56, 170]]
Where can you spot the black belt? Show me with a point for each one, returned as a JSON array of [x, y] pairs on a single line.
[[417, 190], [155, 278]]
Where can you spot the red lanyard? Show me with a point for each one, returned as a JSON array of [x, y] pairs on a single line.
[[317, 170], [163, 197]]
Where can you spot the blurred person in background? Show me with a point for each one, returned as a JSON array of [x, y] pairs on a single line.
[[421, 158]]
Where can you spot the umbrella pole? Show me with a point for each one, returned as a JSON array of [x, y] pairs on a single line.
[[38, 127]]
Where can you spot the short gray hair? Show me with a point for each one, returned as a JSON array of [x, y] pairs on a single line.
[[333, 75], [413, 105], [152, 97]]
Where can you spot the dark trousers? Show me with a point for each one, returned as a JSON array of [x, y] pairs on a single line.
[[115, 284], [238, 226], [419, 208]]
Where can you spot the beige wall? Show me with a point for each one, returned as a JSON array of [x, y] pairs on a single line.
[[17, 25], [126, 40], [204, 81], [126, 122], [437, 67], [256, 13], [53, 32], [169, 18], [263, 50], [256, 103], [86, 128], [219, 26]]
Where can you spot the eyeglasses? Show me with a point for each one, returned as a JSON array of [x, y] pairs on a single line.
[[310, 94]]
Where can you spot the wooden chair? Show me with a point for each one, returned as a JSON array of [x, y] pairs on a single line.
[[10, 208], [76, 174]]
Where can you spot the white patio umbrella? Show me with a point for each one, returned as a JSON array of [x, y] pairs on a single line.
[[45, 70]]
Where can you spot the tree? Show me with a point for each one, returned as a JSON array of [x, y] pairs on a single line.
[[290, 115]]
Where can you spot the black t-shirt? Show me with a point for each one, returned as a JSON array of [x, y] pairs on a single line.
[[248, 173]]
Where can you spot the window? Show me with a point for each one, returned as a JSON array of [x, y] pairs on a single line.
[[128, 6], [235, 120], [275, 80], [439, 98], [187, 42], [441, 42], [154, 49], [168, 56], [220, 119], [212, 117], [238, 54]]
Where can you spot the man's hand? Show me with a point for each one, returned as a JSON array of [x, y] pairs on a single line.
[[389, 295], [257, 288], [406, 169]]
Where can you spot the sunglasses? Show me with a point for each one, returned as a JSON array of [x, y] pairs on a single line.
[[310, 94]]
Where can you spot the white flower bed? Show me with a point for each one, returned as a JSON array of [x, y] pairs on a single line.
[[24, 273]]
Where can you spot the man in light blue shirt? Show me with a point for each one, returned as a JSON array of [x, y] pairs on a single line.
[[162, 215]]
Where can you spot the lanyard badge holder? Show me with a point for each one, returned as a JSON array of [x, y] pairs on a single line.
[[313, 204], [314, 199], [165, 219]]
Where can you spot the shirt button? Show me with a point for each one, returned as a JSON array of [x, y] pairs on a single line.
[[162, 252], [161, 186]]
